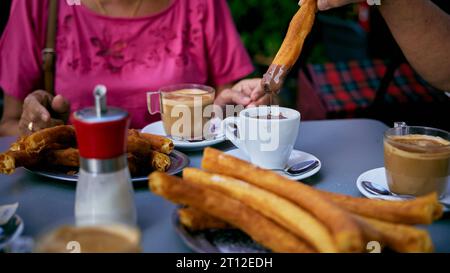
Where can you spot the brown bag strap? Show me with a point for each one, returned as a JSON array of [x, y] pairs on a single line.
[[48, 53]]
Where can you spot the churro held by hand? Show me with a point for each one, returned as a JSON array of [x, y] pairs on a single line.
[[258, 227], [280, 210], [196, 220], [421, 210], [345, 231], [299, 28]]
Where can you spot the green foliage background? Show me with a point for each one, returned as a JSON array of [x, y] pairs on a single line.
[[263, 23]]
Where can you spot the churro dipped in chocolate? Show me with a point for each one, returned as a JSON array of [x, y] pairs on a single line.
[[421, 210], [258, 227], [285, 213], [299, 28], [345, 231], [196, 220]]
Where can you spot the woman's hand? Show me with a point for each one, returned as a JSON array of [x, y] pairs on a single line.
[[328, 4], [247, 93], [37, 107], [253, 89]]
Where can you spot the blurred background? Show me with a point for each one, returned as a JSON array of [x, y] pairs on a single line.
[[350, 67]]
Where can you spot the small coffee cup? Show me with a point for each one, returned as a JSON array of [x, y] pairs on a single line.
[[184, 110], [417, 159], [265, 134]]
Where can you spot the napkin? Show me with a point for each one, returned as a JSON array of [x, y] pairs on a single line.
[[6, 212]]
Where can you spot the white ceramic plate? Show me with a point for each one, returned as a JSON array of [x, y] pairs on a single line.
[[296, 156], [378, 176], [157, 128]]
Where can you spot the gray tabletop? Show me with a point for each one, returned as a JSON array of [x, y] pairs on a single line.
[[346, 148]]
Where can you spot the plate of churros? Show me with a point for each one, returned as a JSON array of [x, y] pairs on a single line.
[[282, 215], [53, 153]]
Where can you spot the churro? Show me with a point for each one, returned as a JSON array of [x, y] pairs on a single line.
[[421, 210], [232, 211], [299, 28], [342, 226], [196, 220], [280, 210]]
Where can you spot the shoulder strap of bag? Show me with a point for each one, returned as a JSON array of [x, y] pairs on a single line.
[[48, 53]]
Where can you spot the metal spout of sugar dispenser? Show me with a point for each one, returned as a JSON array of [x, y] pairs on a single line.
[[100, 100]]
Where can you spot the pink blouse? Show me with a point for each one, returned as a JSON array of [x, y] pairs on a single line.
[[191, 41]]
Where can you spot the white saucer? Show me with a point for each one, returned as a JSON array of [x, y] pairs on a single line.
[[379, 176], [157, 128], [296, 156]]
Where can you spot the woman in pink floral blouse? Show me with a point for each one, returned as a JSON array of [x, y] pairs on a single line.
[[133, 46]]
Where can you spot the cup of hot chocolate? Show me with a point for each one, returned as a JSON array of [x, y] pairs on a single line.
[[417, 160], [184, 110], [266, 134]]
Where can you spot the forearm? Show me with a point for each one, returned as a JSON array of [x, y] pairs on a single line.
[[9, 127], [423, 32]]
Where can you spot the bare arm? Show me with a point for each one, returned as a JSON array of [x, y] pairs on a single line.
[[9, 124], [423, 32]]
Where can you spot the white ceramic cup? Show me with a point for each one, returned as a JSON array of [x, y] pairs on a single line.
[[267, 142]]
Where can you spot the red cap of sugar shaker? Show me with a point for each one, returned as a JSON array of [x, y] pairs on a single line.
[[101, 131]]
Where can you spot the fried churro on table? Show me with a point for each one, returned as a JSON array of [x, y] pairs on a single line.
[[154, 142], [196, 220], [421, 210], [274, 207], [342, 226], [258, 227], [44, 139], [68, 157], [397, 237]]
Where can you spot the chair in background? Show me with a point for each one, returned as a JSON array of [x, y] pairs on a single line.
[[371, 89]]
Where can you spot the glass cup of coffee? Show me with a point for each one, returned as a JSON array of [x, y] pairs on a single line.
[[417, 159], [186, 110], [101, 236]]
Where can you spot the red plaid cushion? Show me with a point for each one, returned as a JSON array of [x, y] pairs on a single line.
[[348, 87]]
